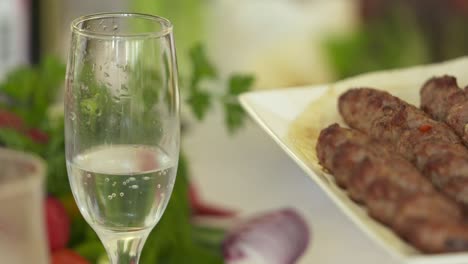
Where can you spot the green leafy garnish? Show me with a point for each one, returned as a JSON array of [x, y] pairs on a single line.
[[234, 114], [201, 66], [202, 100], [33, 90]]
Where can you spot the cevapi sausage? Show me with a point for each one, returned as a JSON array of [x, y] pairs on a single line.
[[445, 101], [430, 145], [393, 190]]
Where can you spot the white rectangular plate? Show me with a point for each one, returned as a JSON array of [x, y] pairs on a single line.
[[274, 111]]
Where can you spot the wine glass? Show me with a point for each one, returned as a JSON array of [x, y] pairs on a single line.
[[122, 127]]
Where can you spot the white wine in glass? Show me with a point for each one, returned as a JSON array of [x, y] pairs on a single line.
[[122, 127]]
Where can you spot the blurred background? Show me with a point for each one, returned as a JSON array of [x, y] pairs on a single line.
[[271, 45], [283, 42]]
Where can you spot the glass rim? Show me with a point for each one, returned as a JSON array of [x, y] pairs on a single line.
[[164, 31]]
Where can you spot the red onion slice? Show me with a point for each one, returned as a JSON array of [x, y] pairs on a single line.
[[279, 237]]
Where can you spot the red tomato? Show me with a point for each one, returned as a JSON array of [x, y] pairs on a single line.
[[66, 256], [58, 224], [13, 121], [10, 120], [37, 135]]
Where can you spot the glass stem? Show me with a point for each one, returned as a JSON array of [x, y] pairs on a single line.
[[123, 248]]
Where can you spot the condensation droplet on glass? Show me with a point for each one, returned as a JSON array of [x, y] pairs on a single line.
[[131, 179], [114, 183], [124, 183], [124, 87], [134, 187], [114, 195], [162, 195], [115, 27], [159, 186], [104, 27], [107, 179], [72, 116], [122, 194], [109, 197], [88, 175], [108, 84], [146, 178], [106, 75], [164, 172]]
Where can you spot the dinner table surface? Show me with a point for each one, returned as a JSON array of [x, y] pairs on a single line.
[[249, 172]]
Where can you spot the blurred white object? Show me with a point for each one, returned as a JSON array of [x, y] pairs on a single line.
[[14, 34], [280, 41], [23, 237]]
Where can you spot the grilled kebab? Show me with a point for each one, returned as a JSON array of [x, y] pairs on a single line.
[[430, 145], [393, 190]]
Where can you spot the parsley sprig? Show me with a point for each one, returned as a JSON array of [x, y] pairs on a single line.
[[201, 100]]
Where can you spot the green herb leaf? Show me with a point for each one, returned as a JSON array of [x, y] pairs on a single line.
[[234, 116], [200, 103], [233, 112], [91, 250], [32, 90], [239, 83], [201, 66], [54, 154], [17, 140]]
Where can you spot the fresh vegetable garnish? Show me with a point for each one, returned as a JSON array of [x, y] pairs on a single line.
[[13, 122], [37, 135], [27, 95], [200, 100], [58, 224], [279, 237], [10, 120]]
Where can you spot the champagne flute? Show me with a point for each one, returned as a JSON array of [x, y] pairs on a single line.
[[122, 126]]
